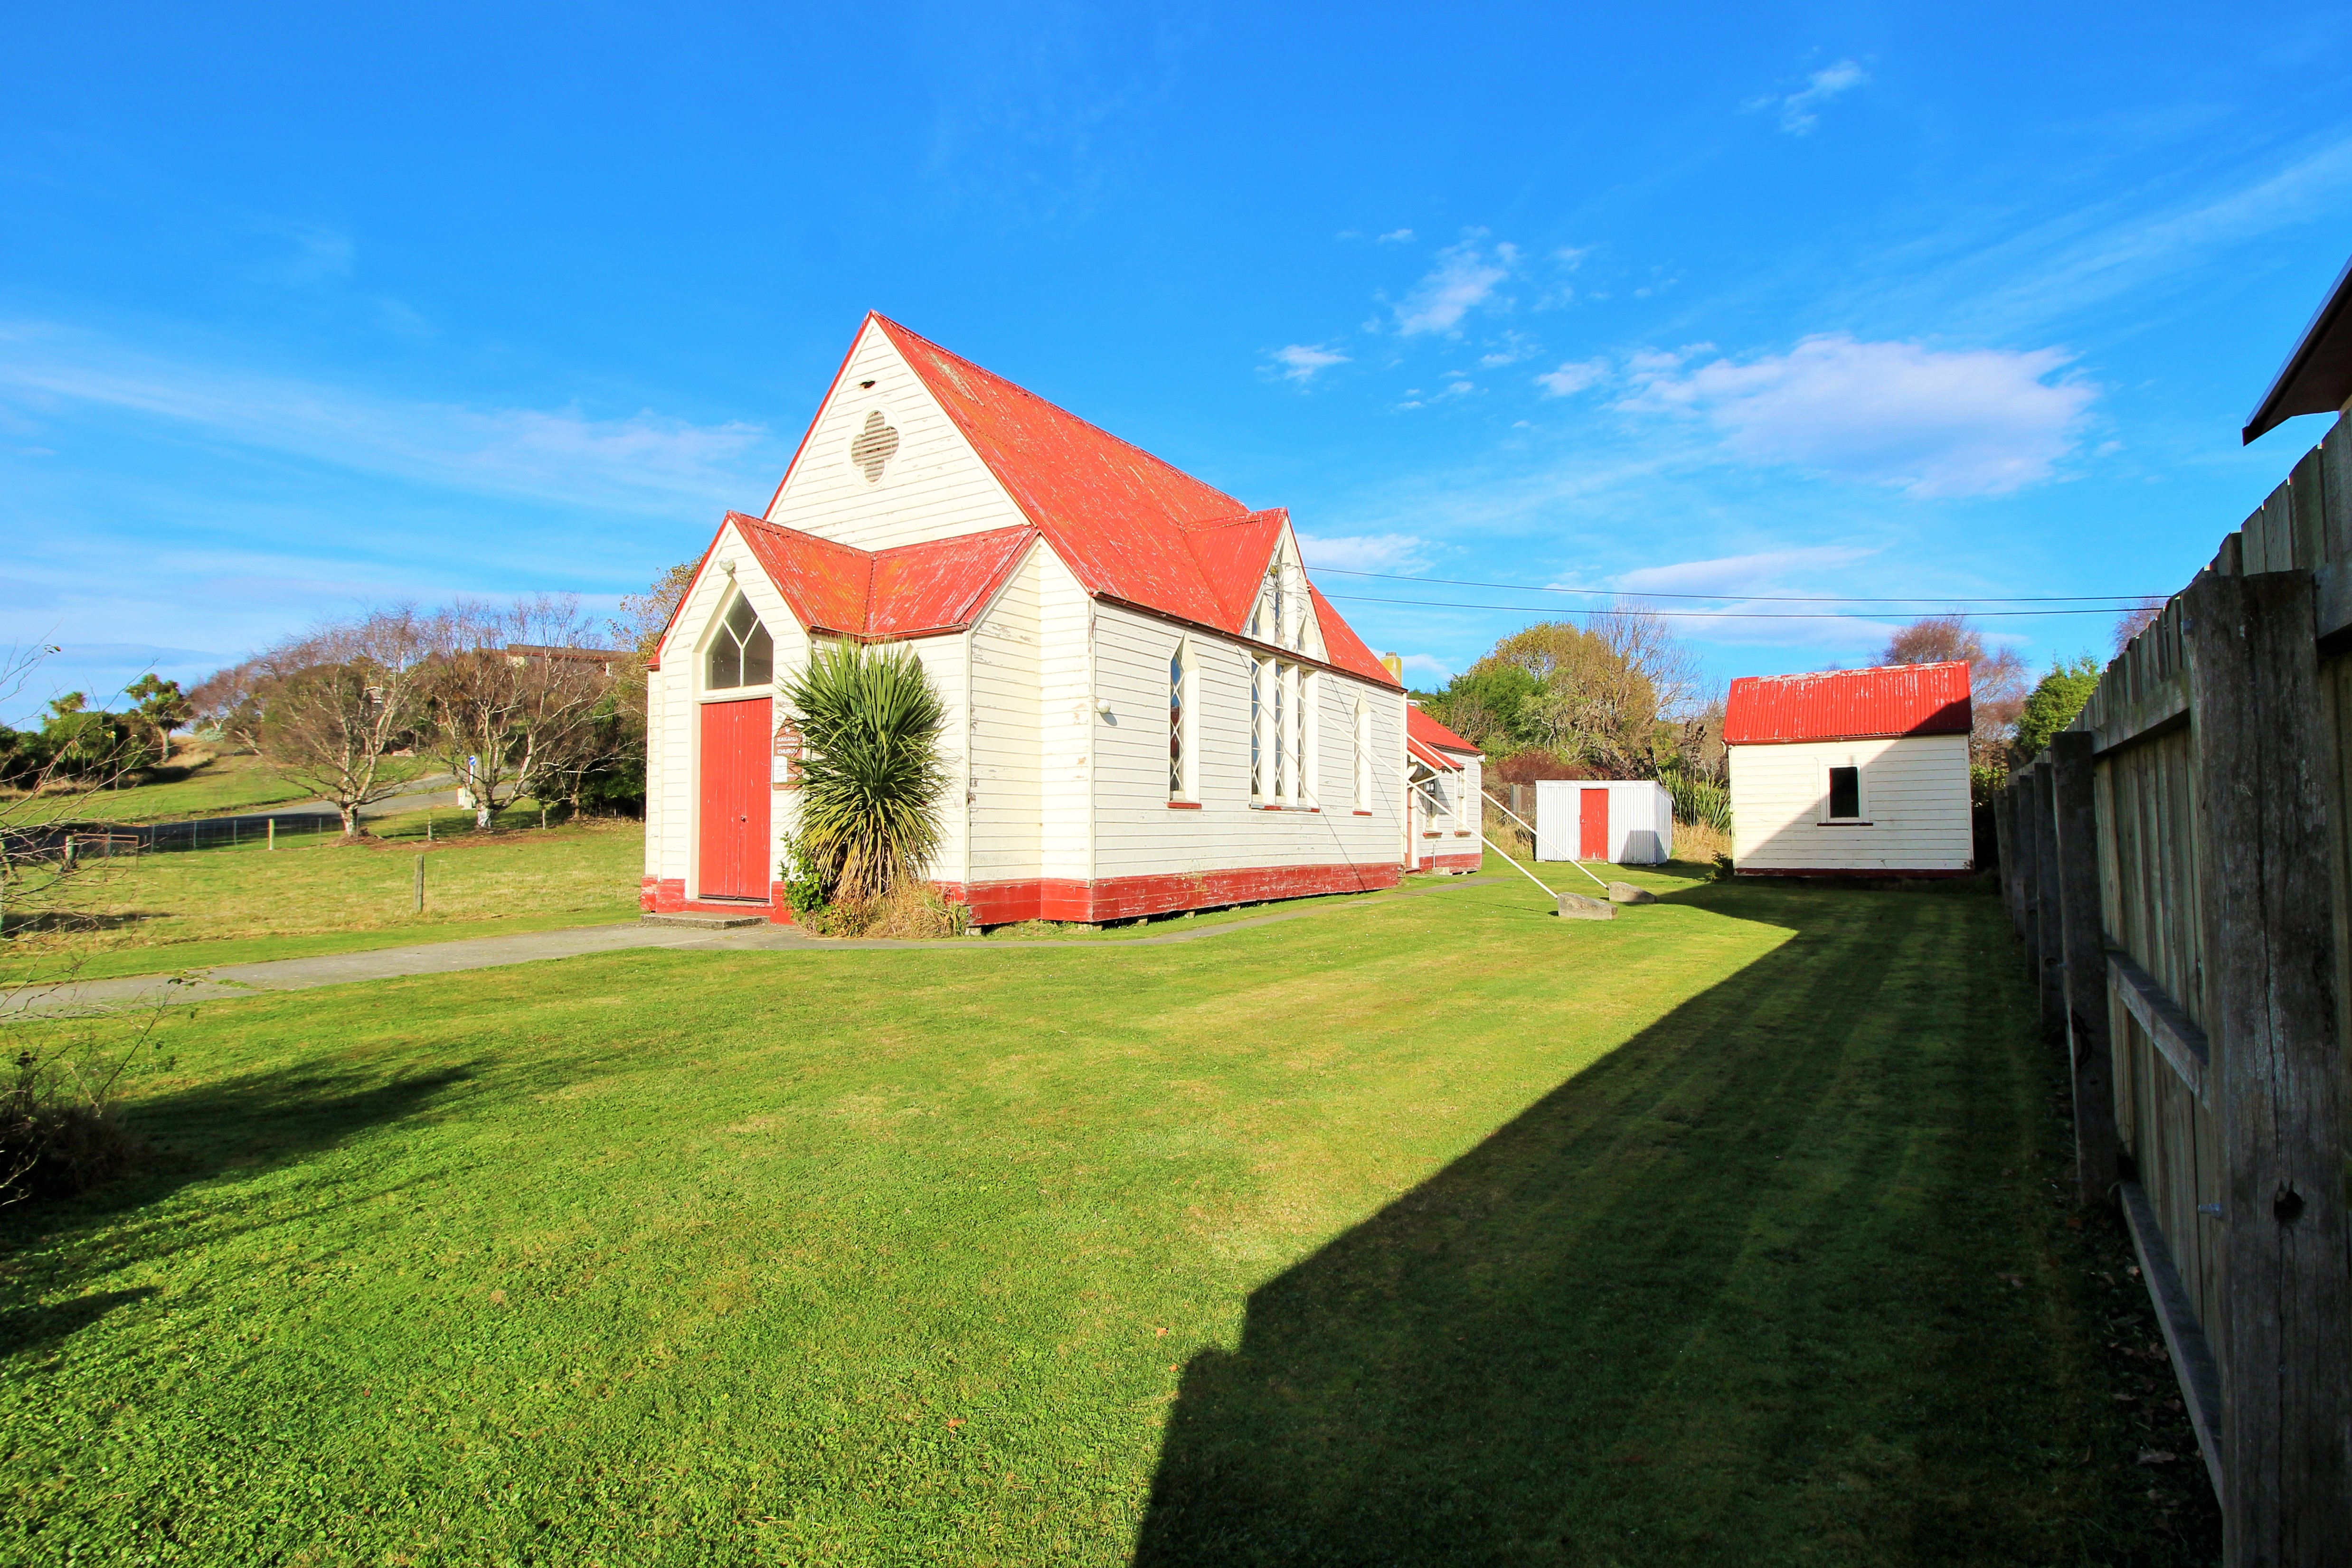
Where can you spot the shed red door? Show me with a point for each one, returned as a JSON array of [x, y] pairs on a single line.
[[735, 771], [1592, 825]]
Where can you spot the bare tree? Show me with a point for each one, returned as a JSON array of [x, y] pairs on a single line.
[[1997, 680], [646, 616], [326, 708], [2136, 620], [515, 697], [58, 1127]]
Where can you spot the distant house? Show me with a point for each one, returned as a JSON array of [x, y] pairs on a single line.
[[1149, 705], [1446, 775], [1850, 772]]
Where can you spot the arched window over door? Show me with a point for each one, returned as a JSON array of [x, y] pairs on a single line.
[[742, 653]]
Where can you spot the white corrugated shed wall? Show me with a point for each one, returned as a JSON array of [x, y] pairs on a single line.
[[1137, 834], [1915, 795], [933, 487]]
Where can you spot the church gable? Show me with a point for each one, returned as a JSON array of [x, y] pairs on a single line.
[[882, 464], [915, 445]]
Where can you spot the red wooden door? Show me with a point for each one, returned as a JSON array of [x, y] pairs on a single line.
[[1592, 825], [735, 769]]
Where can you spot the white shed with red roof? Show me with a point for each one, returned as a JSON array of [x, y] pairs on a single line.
[[1850, 772], [1150, 706]]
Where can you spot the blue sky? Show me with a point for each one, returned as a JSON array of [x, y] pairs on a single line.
[[300, 312]]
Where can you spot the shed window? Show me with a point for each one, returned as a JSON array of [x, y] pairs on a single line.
[[742, 653], [1845, 793]]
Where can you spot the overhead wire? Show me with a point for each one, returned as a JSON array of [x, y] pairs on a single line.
[[2126, 601], [1713, 614]]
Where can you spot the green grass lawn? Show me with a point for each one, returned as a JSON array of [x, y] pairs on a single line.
[[205, 785], [314, 895], [1433, 1230]]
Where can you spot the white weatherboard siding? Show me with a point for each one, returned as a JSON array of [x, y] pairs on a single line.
[[1137, 833], [1005, 801], [934, 487], [1915, 799], [1065, 721], [946, 662]]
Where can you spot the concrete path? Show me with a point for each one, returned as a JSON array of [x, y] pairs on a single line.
[[226, 981]]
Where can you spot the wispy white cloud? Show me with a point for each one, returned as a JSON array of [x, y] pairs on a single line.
[[1739, 574], [1438, 671], [1572, 377], [1365, 552], [1799, 111], [1509, 350], [1299, 362], [643, 461], [1980, 422], [1394, 236], [1466, 276]]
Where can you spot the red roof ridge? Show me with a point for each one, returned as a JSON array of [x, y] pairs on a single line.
[[895, 330], [1883, 702]]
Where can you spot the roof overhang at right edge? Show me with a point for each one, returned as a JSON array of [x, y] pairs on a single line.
[[2317, 377]]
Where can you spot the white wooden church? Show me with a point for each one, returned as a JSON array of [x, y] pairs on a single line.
[[1150, 706]]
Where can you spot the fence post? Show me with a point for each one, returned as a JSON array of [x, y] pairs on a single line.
[[2004, 838], [272, 843], [2083, 939], [2029, 890], [420, 884], [2265, 850], [2051, 973]]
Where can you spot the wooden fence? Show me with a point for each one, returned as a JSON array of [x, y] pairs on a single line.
[[2176, 866]]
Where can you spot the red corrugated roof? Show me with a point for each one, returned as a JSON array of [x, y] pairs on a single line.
[[906, 591], [1129, 525], [1849, 704], [1432, 755], [1420, 727]]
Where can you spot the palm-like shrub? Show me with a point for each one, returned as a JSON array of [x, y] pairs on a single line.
[[871, 777]]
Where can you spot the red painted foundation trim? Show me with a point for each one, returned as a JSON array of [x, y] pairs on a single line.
[[1450, 863], [1907, 875], [667, 895], [1183, 805], [1362, 813], [1131, 897]]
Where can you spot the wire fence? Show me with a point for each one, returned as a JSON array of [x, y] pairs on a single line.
[[95, 841]]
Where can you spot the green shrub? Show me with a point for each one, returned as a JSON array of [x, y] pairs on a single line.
[[871, 778]]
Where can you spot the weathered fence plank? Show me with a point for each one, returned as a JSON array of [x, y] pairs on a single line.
[[2082, 949], [2264, 849], [2179, 1042]]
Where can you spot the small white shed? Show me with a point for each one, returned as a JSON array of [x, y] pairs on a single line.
[[1852, 772], [1627, 821]]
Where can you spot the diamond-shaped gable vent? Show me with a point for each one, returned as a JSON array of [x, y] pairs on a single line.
[[874, 447]]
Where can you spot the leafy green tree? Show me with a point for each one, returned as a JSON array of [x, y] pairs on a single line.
[[871, 778], [92, 745], [2052, 704], [1482, 705], [162, 705]]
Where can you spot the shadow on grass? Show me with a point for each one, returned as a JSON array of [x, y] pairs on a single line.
[[227, 1132], [1732, 1294]]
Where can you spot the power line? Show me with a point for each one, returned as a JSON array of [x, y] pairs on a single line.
[[2131, 600], [1707, 614]]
